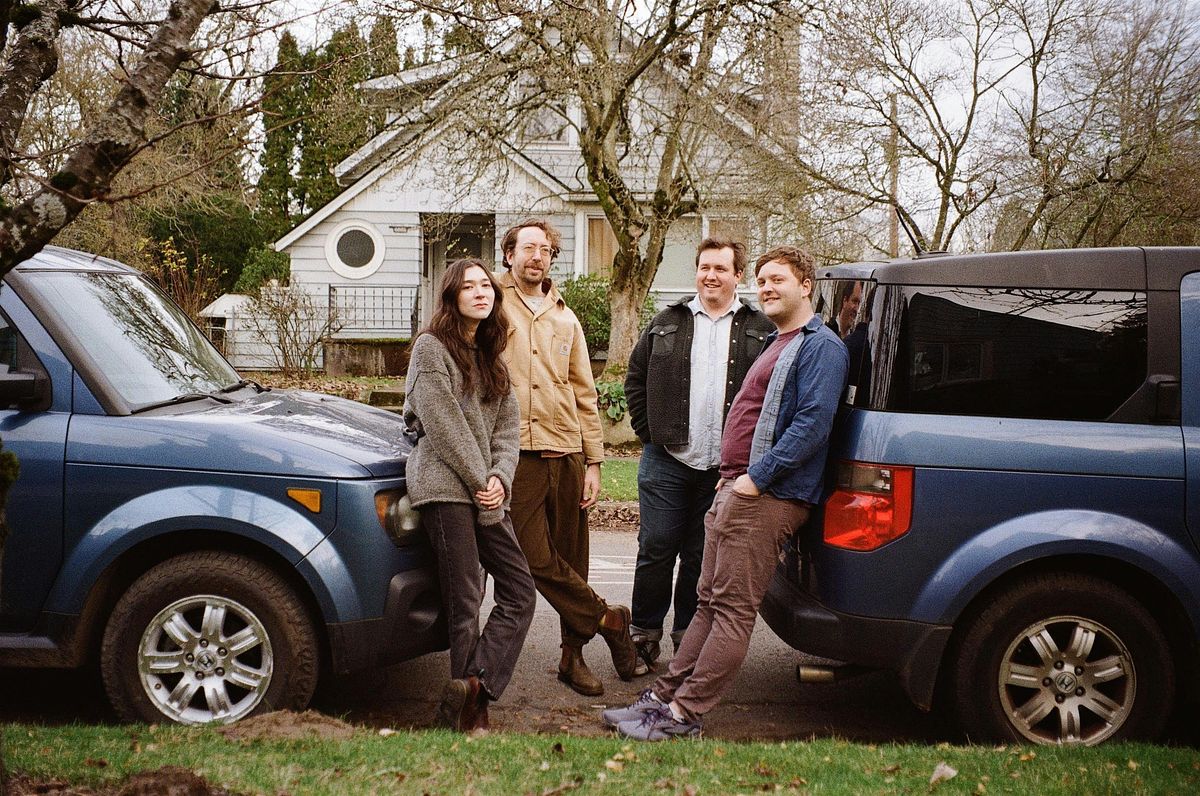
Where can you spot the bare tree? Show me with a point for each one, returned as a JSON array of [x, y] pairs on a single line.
[[639, 86], [1106, 145], [292, 325], [47, 178]]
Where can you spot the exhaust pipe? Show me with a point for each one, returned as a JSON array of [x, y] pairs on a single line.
[[807, 673]]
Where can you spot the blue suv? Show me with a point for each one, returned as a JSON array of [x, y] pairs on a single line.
[[1014, 516], [215, 545]]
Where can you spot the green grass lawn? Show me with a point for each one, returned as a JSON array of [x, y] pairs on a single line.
[[436, 761], [618, 479]]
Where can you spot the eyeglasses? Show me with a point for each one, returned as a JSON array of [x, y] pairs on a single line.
[[545, 251]]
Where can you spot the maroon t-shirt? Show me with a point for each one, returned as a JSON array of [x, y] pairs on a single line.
[[747, 406]]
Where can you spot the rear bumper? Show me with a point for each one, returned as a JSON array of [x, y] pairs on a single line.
[[412, 624], [913, 650]]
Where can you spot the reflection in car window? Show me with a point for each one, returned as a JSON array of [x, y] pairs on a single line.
[[8, 346], [1054, 354], [145, 346]]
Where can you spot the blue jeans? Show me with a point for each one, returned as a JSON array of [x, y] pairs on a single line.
[[673, 499]]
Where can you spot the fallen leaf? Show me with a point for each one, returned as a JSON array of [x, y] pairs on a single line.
[[557, 748], [892, 769], [1025, 758], [614, 765], [719, 752], [690, 790], [1133, 766], [763, 770], [664, 783], [942, 773], [96, 762]]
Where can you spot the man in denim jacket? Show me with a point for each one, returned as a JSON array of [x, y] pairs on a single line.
[[772, 460]]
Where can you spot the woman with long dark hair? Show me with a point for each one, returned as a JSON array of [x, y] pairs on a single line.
[[459, 399]]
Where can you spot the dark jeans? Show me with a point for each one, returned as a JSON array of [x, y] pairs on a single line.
[[462, 546], [673, 499]]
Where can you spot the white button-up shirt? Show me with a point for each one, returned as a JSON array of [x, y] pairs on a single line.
[[706, 389]]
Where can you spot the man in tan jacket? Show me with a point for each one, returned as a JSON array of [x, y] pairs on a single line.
[[558, 473]]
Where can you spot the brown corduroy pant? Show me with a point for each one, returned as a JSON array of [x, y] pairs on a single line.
[[552, 531]]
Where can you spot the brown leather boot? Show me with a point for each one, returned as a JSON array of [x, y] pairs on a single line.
[[575, 673], [464, 705], [614, 628]]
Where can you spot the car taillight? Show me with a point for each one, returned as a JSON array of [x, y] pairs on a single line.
[[871, 506]]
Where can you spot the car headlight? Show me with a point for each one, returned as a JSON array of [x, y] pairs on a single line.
[[397, 516]]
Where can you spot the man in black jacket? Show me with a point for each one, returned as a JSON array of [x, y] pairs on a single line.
[[684, 372]]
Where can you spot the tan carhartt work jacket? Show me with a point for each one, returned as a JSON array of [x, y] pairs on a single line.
[[552, 374]]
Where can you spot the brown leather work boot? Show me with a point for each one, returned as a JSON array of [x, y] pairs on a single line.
[[614, 628], [575, 673], [464, 705]]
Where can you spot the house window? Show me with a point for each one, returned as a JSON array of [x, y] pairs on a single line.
[[540, 120], [678, 267], [354, 249], [737, 229], [601, 247]]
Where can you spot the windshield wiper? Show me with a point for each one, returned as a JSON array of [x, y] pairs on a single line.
[[183, 398], [240, 383]]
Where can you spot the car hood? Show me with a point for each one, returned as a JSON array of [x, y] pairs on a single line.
[[277, 432]]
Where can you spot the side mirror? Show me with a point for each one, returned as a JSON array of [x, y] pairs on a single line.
[[21, 389]]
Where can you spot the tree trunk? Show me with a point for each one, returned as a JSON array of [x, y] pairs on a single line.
[[625, 304]]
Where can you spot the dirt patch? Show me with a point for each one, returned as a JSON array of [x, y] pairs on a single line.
[[289, 726], [614, 515], [165, 781]]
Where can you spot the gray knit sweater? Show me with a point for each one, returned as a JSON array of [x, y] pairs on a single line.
[[464, 440]]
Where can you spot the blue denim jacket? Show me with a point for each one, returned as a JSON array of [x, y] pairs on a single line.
[[803, 402]]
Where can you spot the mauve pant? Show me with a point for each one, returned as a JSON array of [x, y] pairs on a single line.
[[743, 537], [462, 546]]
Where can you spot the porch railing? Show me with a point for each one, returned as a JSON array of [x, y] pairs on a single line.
[[393, 310]]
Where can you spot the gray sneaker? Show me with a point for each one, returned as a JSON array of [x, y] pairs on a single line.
[[645, 702], [659, 725]]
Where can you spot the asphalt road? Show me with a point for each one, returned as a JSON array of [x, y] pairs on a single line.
[[764, 702]]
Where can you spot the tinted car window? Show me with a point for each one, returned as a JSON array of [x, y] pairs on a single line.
[[1053, 354]]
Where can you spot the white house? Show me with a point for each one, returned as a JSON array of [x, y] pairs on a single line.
[[376, 252]]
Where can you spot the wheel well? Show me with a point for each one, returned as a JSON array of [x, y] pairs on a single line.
[[1158, 599], [136, 561]]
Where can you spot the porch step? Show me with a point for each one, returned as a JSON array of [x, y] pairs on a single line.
[[391, 400]]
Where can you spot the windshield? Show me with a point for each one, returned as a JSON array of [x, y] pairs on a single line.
[[144, 345]]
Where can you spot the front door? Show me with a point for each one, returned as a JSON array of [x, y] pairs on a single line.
[[448, 238]]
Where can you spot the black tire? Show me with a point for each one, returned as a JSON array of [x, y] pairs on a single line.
[[1104, 670], [208, 637]]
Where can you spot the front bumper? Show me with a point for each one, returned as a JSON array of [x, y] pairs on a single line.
[[412, 624], [911, 649]]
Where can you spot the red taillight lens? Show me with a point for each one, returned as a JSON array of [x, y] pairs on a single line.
[[871, 506]]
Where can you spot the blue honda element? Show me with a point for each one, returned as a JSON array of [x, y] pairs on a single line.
[[1015, 490], [213, 544]]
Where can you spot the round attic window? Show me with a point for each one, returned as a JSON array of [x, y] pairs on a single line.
[[354, 249]]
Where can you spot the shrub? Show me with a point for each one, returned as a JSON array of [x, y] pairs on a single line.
[[610, 395], [588, 297], [262, 265]]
